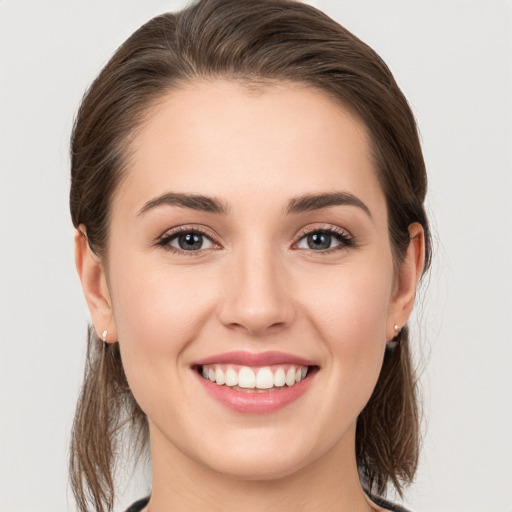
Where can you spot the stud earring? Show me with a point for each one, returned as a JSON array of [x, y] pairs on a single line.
[[104, 336], [391, 344]]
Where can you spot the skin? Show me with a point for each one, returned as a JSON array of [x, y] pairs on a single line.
[[256, 287]]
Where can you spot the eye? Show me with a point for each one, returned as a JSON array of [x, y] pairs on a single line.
[[325, 239], [189, 240]]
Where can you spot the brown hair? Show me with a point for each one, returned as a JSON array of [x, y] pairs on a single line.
[[254, 42]]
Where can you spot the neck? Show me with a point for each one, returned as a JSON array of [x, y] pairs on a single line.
[[181, 484]]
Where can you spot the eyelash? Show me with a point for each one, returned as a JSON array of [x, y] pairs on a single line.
[[166, 239], [346, 240]]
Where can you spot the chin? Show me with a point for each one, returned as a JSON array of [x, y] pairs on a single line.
[[262, 455], [260, 468]]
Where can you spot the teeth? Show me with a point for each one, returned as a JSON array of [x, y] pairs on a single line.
[[220, 378], [290, 377], [231, 377], [254, 378], [280, 377], [246, 378], [264, 379]]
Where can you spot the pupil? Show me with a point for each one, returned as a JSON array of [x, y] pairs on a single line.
[[319, 241], [190, 241]]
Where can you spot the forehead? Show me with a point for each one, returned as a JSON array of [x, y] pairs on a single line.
[[218, 138]]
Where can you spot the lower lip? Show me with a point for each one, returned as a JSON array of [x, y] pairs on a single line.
[[253, 402]]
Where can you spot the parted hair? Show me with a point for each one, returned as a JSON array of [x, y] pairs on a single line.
[[253, 42]]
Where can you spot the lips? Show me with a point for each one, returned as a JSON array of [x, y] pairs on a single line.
[[244, 358], [255, 383]]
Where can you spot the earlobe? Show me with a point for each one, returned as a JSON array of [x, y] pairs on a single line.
[[408, 278], [94, 285]]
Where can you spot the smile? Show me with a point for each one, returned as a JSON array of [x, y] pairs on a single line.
[[251, 383], [246, 378]]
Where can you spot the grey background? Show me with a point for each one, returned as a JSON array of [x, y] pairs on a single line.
[[452, 59]]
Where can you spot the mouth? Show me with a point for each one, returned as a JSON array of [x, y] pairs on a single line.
[[255, 383], [255, 379]]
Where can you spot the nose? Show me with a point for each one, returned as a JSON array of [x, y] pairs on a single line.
[[257, 295]]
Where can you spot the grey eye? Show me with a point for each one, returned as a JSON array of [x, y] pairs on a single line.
[[191, 241], [319, 241]]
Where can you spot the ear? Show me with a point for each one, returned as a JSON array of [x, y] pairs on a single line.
[[94, 285], [407, 280]]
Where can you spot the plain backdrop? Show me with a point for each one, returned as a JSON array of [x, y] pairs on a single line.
[[453, 60]]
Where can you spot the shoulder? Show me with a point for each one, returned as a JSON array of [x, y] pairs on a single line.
[[138, 505], [381, 502], [387, 505]]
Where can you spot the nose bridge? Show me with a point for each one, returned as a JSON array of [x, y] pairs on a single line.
[[255, 296]]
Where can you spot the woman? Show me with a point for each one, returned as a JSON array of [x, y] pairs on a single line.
[[247, 191]]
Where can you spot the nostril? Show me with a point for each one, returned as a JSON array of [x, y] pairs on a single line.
[[257, 305]]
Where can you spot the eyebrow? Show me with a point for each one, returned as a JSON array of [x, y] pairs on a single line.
[[192, 201], [313, 202], [300, 204]]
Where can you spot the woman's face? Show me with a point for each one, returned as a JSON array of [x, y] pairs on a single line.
[[249, 243]]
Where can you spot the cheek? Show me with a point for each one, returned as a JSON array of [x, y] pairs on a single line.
[[349, 311], [158, 312], [156, 299], [352, 300]]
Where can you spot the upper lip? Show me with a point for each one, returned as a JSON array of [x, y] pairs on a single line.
[[243, 358]]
